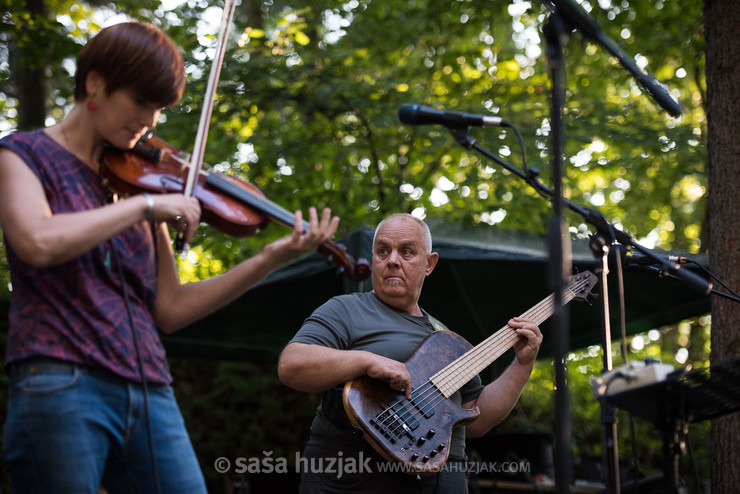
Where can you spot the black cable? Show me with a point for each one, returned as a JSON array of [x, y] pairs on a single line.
[[693, 462], [513, 127], [139, 359], [513, 457], [635, 461], [622, 313], [420, 483], [714, 277]]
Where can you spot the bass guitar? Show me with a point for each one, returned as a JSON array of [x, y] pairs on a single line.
[[417, 432]]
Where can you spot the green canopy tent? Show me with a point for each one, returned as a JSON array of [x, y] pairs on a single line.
[[484, 277]]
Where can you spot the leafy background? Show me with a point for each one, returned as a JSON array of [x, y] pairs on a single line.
[[307, 111]]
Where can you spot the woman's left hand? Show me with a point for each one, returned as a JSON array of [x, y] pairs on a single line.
[[298, 242]]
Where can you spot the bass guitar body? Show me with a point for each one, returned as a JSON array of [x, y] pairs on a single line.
[[416, 432]]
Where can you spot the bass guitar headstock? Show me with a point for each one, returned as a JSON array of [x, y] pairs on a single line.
[[581, 284]]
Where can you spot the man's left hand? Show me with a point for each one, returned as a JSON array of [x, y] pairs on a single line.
[[527, 347]]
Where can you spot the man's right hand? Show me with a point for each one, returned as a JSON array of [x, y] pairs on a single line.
[[391, 371], [315, 368]]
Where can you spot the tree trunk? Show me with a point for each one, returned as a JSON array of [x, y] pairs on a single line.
[[722, 21], [31, 63]]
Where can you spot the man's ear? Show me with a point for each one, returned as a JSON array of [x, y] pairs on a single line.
[[431, 263]]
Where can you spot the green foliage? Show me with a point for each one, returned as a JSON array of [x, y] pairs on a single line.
[[307, 111], [308, 98]]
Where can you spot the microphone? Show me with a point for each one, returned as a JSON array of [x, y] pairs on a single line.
[[423, 115], [618, 253], [638, 259]]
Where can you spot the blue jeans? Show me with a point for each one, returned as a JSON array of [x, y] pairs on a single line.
[[71, 430]]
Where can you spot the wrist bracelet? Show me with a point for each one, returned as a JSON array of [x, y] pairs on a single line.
[[149, 207]]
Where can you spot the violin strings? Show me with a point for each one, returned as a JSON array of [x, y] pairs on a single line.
[[462, 369]]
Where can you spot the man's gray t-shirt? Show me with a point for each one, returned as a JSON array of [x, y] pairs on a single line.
[[361, 321]]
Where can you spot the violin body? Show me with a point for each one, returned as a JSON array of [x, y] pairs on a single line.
[[229, 204], [128, 172]]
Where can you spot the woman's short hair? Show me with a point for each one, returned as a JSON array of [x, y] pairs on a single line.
[[135, 56]]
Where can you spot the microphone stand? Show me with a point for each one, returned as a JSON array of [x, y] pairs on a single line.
[[556, 37], [591, 216], [576, 18], [566, 13], [605, 236], [561, 262]]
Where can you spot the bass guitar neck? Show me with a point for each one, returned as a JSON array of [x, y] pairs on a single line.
[[417, 431]]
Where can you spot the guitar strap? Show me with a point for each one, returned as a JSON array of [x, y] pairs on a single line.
[[436, 323]]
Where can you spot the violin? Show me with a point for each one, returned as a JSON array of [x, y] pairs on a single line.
[[229, 204]]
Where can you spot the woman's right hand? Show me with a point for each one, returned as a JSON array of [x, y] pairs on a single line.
[[178, 211]]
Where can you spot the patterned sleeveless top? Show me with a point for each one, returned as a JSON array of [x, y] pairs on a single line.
[[76, 311]]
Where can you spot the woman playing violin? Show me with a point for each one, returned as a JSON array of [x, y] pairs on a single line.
[[94, 280]]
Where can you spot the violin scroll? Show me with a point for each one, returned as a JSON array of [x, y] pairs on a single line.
[[353, 270]]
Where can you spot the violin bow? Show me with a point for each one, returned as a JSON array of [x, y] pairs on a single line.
[[196, 158]]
